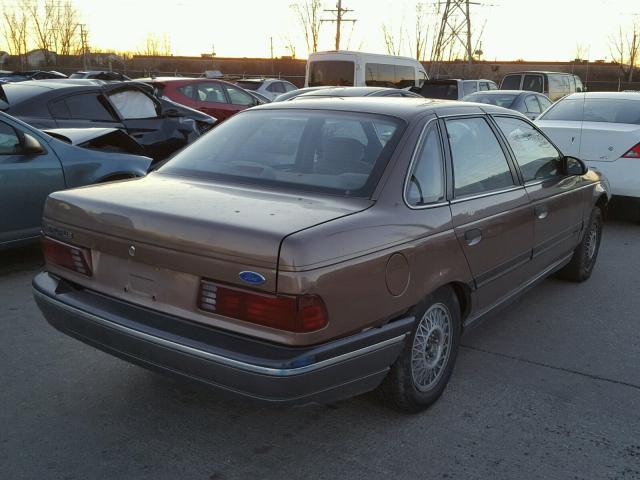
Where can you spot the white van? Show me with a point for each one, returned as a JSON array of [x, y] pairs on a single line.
[[342, 68]]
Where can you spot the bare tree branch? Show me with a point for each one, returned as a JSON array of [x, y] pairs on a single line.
[[309, 14]]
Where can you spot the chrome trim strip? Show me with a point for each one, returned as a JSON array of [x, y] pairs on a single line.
[[487, 194], [249, 367]]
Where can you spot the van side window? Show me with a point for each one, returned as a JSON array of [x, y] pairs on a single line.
[[387, 75], [533, 83], [538, 159], [511, 82], [426, 179], [479, 164], [469, 86]]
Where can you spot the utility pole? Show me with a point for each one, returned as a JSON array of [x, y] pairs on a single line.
[[339, 12], [84, 45]]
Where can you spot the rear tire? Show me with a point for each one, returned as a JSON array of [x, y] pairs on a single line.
[[584, 257], [421, 373]]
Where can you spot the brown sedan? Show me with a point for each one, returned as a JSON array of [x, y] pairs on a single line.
[[312, 250]]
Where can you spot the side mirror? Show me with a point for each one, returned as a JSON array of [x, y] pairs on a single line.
[[31, 146], [574, 166]]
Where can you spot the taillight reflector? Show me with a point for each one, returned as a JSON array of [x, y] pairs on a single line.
[[303, 313], [634, 152], [73, 258]]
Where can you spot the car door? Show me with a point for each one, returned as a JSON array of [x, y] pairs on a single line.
[[490, 209], [239, 99], [25, 182], [556, 200], [212, 100]]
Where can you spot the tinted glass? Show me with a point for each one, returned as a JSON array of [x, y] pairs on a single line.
[[511, 82], [337, 73], [533, 83], [405, 76], [469, 87], [566, 110], [17, 93], [538, 159], [9, 142], [379, 75], [238, 97], [87, 107], [249, 85], [211, 92], [500, 99], [479, 164], [426, 180], [612, 111], [443, 90], [325, 151], [188, 91], [532, 104], [288, 87], [59, 109]]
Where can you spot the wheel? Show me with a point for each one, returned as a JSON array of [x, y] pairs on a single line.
[[421, 373], [584, 257]]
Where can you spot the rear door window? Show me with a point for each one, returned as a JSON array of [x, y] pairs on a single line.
[[532, 105], [85, 106], [479, 164], [133, 104], [533, 83], [188, 91], [238, 97], [211, 92], [484, 86], [544, 102]]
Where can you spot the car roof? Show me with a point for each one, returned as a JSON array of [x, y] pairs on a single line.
[[345, 91], [606, 95], [406, 108], [539, 71]]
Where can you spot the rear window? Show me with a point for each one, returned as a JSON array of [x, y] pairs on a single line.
[[325, 151], [338, 73], [511, 82], [249, 85], [17, 93], [612, 111], [443, 90], [502, 100]]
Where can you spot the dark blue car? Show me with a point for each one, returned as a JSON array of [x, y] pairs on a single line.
[[33, 164]]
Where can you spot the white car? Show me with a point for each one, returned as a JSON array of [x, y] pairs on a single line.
[[269, 87], [603, 129]]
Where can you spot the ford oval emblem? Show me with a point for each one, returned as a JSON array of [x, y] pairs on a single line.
[[252, 278]]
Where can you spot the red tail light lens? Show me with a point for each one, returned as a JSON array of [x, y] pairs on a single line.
[[67, 256], [303, 313], [633, 153]]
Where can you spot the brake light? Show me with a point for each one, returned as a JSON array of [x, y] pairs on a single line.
[[73, 258], [633, 153], [301, 313]]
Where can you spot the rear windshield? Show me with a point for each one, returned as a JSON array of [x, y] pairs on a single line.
[[331, 72], [17, 93], [500, 99], [249, 85], [325, 151], [596, 110], [511, 82], [442, 90]]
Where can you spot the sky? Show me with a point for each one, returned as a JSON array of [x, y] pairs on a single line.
[[513, 29]]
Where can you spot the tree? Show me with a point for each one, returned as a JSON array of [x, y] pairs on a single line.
[[156, 46], [623, 47], [309, 15], [421, 33], [392, 41], [16, 28]]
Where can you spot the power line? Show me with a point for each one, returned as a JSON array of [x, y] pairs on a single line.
[[339, 12]]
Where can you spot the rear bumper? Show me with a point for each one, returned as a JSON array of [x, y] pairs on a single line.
[[233, 364]]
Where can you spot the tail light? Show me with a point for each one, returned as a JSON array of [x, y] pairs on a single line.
[[633, 153], [73, 258], [301, 313]]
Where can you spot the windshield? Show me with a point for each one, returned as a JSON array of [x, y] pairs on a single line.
[[442, 90], [501, 100], [331, 72], [325, 151], [249, 85]]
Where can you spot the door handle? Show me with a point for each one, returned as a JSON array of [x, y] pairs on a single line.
[[541, 212], [473, 236]]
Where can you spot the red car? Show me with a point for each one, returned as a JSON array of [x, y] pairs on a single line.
[[217, 98]]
